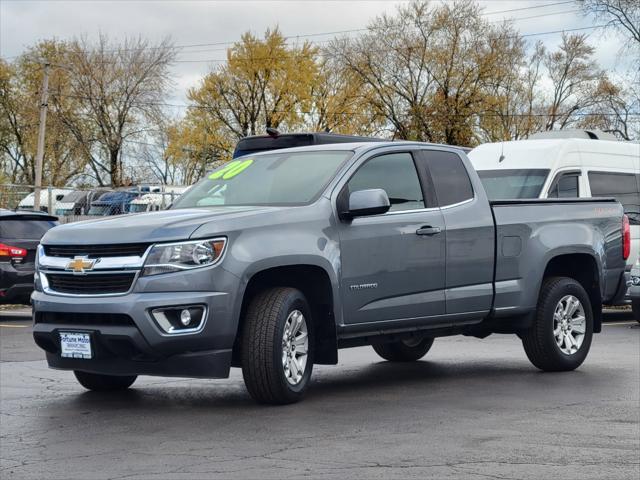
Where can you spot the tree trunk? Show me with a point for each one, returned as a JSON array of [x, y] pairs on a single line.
[[114, 168]]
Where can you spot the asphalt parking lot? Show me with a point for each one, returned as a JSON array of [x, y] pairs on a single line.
[[471, 409]]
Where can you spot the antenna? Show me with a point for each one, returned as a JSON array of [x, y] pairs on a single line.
[[502, 157]]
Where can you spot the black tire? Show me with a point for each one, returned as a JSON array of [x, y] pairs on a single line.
[[104, 383], [262, 346], [403, 351], [539, 341], [635, 309]]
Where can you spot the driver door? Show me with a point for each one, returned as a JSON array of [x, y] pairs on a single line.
[[393, 264]]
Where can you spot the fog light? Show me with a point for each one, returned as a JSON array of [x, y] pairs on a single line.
[[182, 319], [185, 317]]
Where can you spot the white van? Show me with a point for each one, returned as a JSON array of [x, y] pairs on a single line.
[[564, 168], [57, 194], [152, 202]]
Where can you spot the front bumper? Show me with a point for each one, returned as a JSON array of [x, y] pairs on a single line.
[[126, 339]]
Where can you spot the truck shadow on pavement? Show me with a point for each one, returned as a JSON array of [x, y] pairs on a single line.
[[378, 382]]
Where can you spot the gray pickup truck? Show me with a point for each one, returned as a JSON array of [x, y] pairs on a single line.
[[276, 260]]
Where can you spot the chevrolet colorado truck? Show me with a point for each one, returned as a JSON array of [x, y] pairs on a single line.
[[276, 260]]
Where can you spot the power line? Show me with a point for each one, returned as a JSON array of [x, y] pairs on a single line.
[[282, 57], [563, 12], [310, 112], [529, 8], [318, 34], [303, 55]]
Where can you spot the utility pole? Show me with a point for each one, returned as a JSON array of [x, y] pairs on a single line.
[[44, 99]]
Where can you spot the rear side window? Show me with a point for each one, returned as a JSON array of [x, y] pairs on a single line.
[[624, 187], [450, 178], [396, 174], [24, 229], [565, 187]]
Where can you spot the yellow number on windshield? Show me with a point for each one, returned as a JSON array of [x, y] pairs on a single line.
[[230, 170]]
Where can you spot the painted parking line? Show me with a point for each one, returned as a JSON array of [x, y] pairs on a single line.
[[13, 326]]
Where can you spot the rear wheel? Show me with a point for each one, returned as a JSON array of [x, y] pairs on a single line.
[[635, 309], [408, 350], [277, 346], [560, 336], [104, 383]]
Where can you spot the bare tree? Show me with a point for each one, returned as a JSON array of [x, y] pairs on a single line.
[[121, 88], [427, 69], [622, 15], [155, 161], [616, 109], [574, 76], [514, 109]]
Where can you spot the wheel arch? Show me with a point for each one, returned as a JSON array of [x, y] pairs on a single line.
[[584, 268], [316, 284]]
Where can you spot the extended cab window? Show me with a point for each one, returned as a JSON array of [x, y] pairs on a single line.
[[624, 187], [450, 178], [396, 174]]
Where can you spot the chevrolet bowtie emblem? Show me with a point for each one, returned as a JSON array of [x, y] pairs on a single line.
[[80, 264]]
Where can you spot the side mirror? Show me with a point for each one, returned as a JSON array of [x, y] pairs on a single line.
[[368, 202]]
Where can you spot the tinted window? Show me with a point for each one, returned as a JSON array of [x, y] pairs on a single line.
[[510, 184], [74, 196], [624, 187], [25, 229], [251, 145], [394, 173], [450, 178], [565, 187], [283, 178]]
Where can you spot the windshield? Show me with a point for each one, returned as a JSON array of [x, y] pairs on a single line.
[[272, 179], [513, 184], [74, 196], [138, 207]]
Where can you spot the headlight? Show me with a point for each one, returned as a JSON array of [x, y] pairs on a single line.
[[175, 257]]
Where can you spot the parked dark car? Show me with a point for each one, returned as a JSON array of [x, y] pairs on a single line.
[[20, 234], [78, 202], [113, 203]]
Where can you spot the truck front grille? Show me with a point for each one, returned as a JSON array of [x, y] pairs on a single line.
[[92, 284], [97, 251]]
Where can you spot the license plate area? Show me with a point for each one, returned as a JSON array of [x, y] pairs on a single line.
[[75, 345]]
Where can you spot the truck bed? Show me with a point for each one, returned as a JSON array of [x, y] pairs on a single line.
[[531, 232]]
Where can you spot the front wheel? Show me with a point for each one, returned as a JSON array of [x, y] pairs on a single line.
[[560, 336], [104, 383], [277, 346], [635, 310], [408, 350]]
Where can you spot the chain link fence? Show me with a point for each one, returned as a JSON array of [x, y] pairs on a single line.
[[71, 204]]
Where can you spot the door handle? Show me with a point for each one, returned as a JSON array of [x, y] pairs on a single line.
[[428, 230]]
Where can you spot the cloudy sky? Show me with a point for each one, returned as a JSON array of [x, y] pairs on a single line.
[[197, 22]]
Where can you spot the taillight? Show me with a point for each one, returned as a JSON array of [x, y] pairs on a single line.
[[7, 251], [626, 237]]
